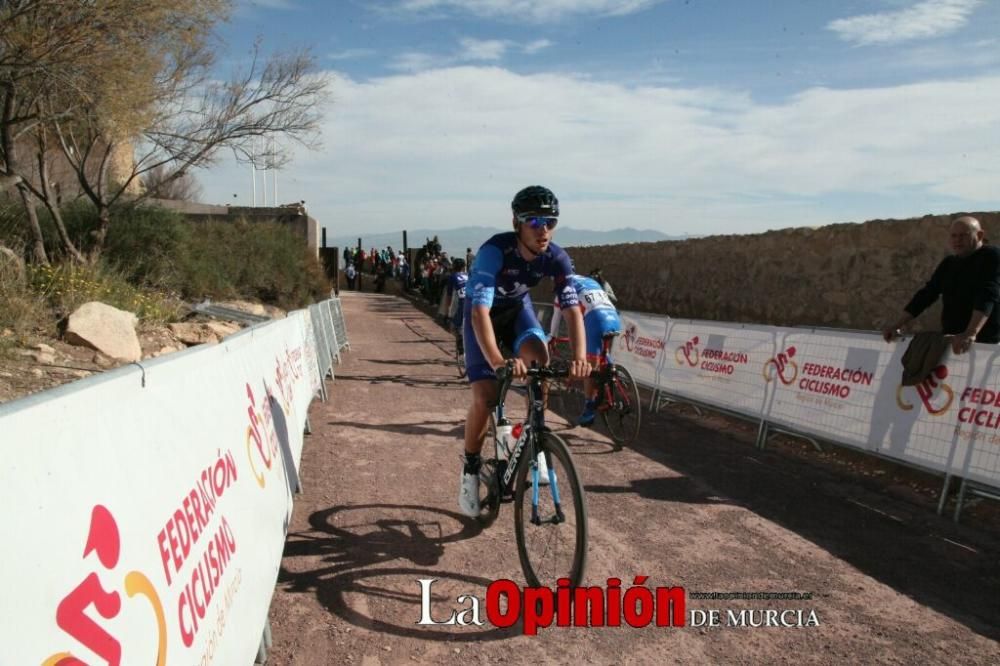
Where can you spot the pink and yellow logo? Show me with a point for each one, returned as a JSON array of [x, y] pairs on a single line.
[[104, 541], [631, 333], [688, 352], [929, 393], [783, 366], [262, 439]]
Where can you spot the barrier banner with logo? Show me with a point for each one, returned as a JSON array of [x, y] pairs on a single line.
[[830, 384], [642, 346], [845, 387], [841, 386], [718, 364], [146, 509]]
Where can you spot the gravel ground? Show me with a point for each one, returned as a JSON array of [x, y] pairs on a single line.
[[690, 504]]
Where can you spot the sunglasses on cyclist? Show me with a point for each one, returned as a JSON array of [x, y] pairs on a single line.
[[538, 221]]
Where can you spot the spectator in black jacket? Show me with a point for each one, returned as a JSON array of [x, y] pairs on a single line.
[[968, 283]]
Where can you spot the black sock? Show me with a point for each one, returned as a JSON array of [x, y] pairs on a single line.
[[472, 462]]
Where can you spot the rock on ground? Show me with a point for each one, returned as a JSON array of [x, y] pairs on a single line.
[[105, 328]]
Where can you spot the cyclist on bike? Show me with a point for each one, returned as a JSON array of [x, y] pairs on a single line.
[[600, 320], [498, 308], [455, 299]]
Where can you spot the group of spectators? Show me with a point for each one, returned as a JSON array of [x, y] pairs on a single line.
[[380, 264], [429, 276], [434, 267]]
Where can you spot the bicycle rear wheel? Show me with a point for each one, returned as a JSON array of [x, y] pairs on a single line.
[[489, 477], [552, 540], [624, 414]]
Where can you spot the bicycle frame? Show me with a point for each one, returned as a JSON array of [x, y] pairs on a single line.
[[601, 374], [528, 440]]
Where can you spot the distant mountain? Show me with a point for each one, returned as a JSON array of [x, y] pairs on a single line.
[[455, 241]]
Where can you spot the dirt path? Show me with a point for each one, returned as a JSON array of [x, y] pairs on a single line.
[[692, 504]]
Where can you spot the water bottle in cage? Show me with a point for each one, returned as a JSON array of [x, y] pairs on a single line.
[[504, 440]]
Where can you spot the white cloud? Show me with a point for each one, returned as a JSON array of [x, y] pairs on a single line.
[[469, 50], [351, 54], [935, 57], [447, 147], [533, 10], [536, 46], [414, 61], [482, 49], [930, 18]]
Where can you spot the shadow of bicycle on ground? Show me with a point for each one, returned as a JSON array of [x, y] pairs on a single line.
[[340, 557]]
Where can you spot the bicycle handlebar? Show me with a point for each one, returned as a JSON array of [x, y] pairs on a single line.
[[541, 373]]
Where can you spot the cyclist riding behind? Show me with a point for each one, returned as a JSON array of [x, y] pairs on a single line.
[[498, 308], [600, 320], [455, 299]]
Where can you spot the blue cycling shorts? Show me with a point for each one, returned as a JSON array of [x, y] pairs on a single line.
[[511, 325], [598, 324]]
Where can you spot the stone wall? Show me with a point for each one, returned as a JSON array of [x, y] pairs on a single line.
[[292, 215], [856, 276]]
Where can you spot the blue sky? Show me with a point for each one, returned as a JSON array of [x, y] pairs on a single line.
[[685, 116]]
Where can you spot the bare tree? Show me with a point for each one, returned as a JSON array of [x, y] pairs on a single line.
[[160, 183], [53, 54], [123, 88], [190, 119]]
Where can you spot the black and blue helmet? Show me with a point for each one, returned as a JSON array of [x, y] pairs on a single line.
[[535, 199]]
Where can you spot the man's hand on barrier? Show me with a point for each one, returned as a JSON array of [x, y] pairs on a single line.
[[962, 342], [890, 333]]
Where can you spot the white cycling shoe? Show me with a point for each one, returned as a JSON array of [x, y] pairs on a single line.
[[468, 494]]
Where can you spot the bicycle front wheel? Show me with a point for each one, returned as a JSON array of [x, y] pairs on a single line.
[[624, 414], [550, 521]]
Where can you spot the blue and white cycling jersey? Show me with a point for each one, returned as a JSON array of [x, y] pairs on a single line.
[[592, 296], [456, 290], [501, 278], [600, 317], [456, 284]]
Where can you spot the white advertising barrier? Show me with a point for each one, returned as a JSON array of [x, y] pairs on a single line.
[[718, 363], [146, 509], [836, 385], [642, 346], [310, 351], [845, 387], [841, 386]]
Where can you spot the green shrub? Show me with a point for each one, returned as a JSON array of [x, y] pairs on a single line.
[[157, 253], [259, 260], [21, 309], [67, 286], [144, 245]]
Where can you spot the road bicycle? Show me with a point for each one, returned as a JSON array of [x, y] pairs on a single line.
[[618, 400], [550, 519]]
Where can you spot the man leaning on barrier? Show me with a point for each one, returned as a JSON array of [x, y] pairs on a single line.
[[968, 282]]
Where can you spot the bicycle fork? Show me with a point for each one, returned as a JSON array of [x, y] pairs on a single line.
[[558, 516]]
